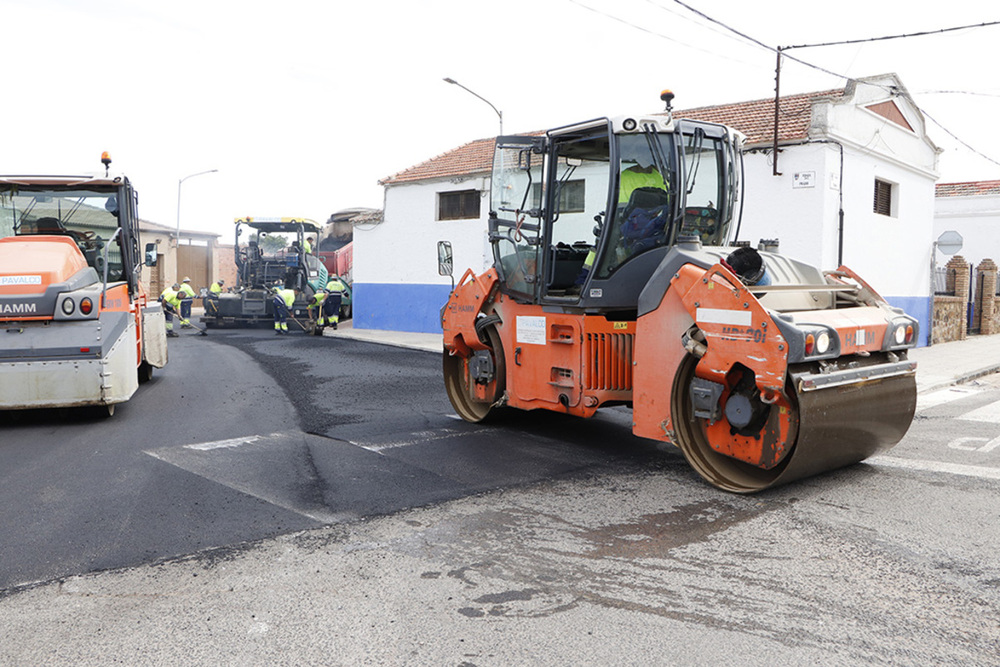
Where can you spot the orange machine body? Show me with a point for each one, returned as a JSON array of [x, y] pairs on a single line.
[[75, 333]]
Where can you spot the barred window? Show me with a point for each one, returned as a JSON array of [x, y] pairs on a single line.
[[459, 205]]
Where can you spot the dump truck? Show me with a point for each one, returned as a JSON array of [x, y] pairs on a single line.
[[273, 254], [340, 263], [78, 328], [617, 281]]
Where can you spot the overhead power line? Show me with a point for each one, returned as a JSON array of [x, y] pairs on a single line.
[[646, 30], [881, 39], [780, 51]]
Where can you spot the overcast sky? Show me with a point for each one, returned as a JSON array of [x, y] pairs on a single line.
[[303, 105]]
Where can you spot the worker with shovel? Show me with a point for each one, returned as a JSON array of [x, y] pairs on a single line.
[[171, 299], [283, 300]]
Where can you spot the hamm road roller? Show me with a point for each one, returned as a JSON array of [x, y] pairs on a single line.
[[617, 281]]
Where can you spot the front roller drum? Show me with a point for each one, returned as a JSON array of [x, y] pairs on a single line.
[[833, 428], [475, 384]]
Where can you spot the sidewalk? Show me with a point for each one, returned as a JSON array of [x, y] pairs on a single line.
[[938, 366]]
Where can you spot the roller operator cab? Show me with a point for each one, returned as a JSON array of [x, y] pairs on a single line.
[[77, 327], [616, 282]]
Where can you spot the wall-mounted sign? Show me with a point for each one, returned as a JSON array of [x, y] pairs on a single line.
[[804, 179]]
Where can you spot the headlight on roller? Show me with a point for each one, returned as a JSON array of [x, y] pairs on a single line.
[[823, 343]]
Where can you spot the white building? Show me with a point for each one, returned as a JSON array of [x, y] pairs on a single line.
[[855, 185], [973, 210]]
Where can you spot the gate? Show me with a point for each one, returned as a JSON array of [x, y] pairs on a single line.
[[192, 262]]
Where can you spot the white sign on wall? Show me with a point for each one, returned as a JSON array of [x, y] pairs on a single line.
[[804, 179]]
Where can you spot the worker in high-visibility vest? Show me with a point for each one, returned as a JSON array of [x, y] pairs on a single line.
[[283, 300], [316, 307], [308, 245], [187, 299], [170, 299], [211, 301], [331, 304]]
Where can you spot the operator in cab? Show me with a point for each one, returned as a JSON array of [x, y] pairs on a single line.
[[642, 211]]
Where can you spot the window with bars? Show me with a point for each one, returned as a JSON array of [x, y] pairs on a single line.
[[572, 196], [460, 205], [883, 197]]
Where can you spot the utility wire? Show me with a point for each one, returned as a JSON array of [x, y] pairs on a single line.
[[880, 39], [652, 32], [683, 17], [956, 92], [893, 90], [890, 89]]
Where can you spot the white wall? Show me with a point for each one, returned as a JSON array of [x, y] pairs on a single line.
[[802, 217], [801, 206], [403, 249], [892, 253], [977, 219]]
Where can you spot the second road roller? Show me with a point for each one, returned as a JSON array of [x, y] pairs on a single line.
[[617, 281]]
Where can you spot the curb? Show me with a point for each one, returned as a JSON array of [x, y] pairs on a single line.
[[960, 379]]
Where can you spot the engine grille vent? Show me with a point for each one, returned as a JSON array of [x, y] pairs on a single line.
[[609, 361]]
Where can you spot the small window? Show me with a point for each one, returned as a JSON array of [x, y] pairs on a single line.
[[572, 196], [458, 205], [883, 197]]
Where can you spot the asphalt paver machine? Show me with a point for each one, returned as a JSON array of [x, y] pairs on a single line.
[[269, 252]]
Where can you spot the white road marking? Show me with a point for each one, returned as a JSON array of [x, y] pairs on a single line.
[[942, 396], [981, 472], [208, 468], [230, 443], [974, 444], [988, 413], [419, 438]]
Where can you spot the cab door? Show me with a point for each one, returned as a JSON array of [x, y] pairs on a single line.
[[515, 223]]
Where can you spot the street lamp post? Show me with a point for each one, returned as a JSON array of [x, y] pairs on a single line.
[[499, 113], [179, 183]]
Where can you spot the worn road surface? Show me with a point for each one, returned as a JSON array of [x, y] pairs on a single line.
[[415, 539]]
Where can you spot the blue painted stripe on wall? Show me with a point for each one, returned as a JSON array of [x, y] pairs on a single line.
[[399, 306], [918, 307]]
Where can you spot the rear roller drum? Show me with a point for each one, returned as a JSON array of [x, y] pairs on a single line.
[[476, 383]]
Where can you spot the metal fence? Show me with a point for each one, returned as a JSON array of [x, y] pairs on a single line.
[[944, 281]]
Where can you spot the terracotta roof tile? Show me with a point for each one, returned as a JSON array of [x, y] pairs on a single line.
[[473, 157], [754, 119], [969, 189]]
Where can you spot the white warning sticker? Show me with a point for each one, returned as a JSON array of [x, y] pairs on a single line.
[[531, 330], [737, 318]]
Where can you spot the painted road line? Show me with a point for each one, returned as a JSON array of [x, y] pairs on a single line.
[[418, 438], [228, 444], [981, 472], [988, 413], [942, 396]]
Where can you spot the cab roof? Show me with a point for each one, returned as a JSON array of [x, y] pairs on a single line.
[[279, 224], [85, 180]]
